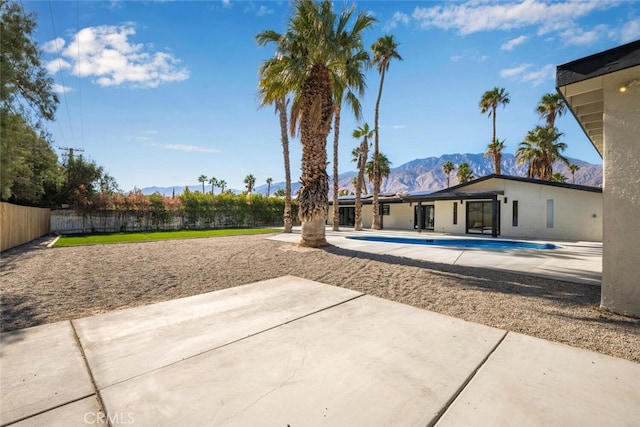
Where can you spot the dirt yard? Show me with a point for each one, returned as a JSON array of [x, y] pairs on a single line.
[[41, 285]]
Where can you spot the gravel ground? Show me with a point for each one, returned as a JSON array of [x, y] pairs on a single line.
[[41, 285]]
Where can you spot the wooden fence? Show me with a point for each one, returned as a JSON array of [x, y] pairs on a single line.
[[22, 224]]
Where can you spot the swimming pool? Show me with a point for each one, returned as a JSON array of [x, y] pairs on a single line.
[[460, 243]]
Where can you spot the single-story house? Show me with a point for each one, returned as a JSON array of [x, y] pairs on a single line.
[[495, 205], [602, 92]]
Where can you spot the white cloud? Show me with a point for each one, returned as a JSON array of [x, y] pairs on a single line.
[[53, 46], [397, 18], [578, 36], [259, 11], [475, 15], [226, 3], [264, 10], [524, 73], [630, 31], [106, 54], [514, 72], [511, 44], [190, 148], [398, 126], [471, 55], [61, 89], [57, 65]]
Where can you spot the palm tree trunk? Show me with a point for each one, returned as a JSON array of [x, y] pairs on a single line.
[[313, 198], [362, 161], [336, 136], [376, 162], [494, 142], [286, 217]]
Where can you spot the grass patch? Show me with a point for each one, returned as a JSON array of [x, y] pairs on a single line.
[[150, 236]]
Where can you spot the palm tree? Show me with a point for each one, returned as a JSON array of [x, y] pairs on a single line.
[[573, 168], [558, 177], [550, 107], [222, 184], [490, 101], [213, 182], [384, 164], [384, 50], [360, 155], [464, 174], [273, 90], [202, 179], [541, 149], [269, 181], [310, 54], [349, 78], [250, 181], [447, 168]]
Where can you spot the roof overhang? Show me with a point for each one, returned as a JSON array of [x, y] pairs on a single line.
[[581, 84]]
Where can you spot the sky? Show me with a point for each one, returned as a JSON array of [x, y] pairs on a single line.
[[161, 92]]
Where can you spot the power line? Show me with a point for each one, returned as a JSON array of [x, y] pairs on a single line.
[[79, 74]]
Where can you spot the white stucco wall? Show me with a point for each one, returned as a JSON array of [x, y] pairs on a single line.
[[620, 283], [577, 213], [400, 217], [444, 217]]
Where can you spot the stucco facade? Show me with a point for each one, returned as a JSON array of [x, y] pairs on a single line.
[[603, 94], [526, 209]]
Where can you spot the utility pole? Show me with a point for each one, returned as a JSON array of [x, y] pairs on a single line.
[[70, 161]]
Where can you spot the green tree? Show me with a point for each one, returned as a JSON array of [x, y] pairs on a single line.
[[222, 184], [280, 193], [550, 107], [28, 172], [214, 183], [273, 89], [447, 168], [202, 179], [84, 179], [464, 174], [489, 103], [249, 181], [558, 177], [384, 166], [360, 155], [573, 168], [269, 181], [384, 50], [540, 149], [310, 54]]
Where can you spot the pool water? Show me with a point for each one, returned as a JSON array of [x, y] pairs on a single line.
[[460, 243]]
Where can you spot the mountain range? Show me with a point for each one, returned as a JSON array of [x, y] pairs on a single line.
[[427, 175]]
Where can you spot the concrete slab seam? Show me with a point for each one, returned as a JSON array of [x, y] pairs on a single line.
[[464, 385], [44, 411], [458, 257], [234, 341], [86, 363]]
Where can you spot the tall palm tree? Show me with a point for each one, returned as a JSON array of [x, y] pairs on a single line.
[[550, 107], [269, 181], [558, 177], [273, 89], [384, 50], [573, 168], [213, 182], [489, 103], [384, 166], [250, 181], [360, 155], [222, 184], [464, 174], [202, 179], [348, 84], [447, 168], [541, 149], [311, 55]]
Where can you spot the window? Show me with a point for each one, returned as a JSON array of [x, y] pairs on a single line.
[[385, 209], [455, 213], [480, 216], [550, 213], [514, 218]]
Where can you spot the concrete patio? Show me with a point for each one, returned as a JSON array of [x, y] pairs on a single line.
[[293, 352]]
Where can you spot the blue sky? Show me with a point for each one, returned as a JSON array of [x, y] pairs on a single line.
[[160, 92]]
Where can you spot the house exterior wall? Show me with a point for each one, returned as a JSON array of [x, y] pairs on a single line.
[[367, 217], [400, 217], [577, 214], [444, 217], [620, 284]]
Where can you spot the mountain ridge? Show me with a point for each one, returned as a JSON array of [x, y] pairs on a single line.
[[426, 175]]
